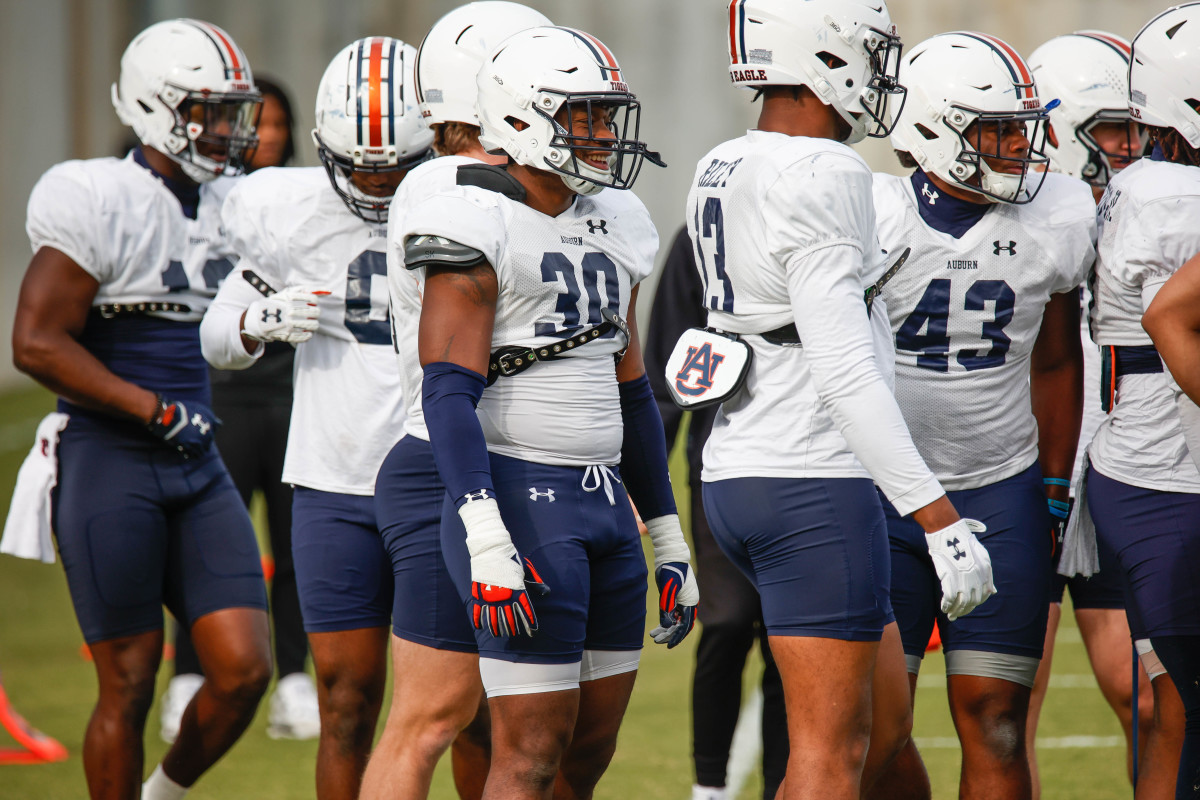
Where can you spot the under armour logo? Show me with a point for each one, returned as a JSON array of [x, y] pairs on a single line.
[[703, 361], [534, 494], [930, 194], [597, 226], [201, 424], [957, 553], [269, 315], [477, 496], [1011, 249]]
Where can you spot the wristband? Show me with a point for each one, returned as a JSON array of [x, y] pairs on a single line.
[[1059, 509], [1056, 482]]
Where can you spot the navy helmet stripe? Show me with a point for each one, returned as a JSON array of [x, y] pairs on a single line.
[[356, 87], [225, 62], [1004, 57], [394, 93], [595, 51]]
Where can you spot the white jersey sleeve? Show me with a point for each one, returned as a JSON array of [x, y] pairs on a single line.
[[1148, 230], [348, 409], [555, 276], [965, 314], [123, 227], [404, 286], [66, 213], [784, 231]]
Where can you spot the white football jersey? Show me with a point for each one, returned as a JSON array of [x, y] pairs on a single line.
[[784, 230], [118, 222], [1148, 228], [555, 275], [404, 286], [965, 314], [291, 229]]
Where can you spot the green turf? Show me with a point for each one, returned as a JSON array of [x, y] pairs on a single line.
[[54, 688]]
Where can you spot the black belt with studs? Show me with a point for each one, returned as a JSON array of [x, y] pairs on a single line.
[[509, 361], [110, 310]]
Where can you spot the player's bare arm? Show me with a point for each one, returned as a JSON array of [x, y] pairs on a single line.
[[1056, 388], [457, 316], [52, 310], [1173, 322]]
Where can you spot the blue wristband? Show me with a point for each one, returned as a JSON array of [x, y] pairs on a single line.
[[644, 451], [1059, 509], [449, 395], [1056, 482]]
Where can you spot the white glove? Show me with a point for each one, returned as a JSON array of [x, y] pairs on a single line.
[[289, 315], [963, 566]]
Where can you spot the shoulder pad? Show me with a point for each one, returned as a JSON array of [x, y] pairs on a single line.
[[437, 251], [493, 179]]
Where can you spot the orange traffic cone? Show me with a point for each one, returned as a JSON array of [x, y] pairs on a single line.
[[935, 641], [36, 747]]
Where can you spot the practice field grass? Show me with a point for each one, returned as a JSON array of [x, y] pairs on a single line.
[[54, 688]]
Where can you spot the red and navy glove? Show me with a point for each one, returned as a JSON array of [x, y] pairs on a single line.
[[188, 428], [507, 612], [677, 599]]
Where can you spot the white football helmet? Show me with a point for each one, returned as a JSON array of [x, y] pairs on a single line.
[[1164, 75], [368, 121], [1088, 73], [187, 91], [536, 73], [452, 52], [959, 84], [846, 51]]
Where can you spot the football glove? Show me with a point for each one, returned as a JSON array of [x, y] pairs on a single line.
[[188, 428], [678, 594], [675, 617], [963, 566], [500, 579], [290, 315], [507, 612]]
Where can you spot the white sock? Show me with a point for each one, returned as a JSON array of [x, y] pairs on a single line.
[[159, 787], [708, 792]]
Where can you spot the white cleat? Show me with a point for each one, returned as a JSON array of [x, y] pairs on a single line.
[[709, 792], [293, 712], [180, 691]]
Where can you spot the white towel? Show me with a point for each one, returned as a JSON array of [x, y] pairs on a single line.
[[27, 530], [1079, 555]]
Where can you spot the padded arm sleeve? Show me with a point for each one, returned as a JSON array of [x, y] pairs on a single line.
[[221, 328], [449, 395], [644, 451], [827, 300]]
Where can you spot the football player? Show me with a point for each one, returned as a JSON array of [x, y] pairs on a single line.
[[313, 272], [528, 274], [784, 232], [985, 315], [1090, 136], [127, 254], [437, 696], [1143, 487]]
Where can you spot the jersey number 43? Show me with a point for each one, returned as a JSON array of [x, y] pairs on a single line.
[[924, 332]]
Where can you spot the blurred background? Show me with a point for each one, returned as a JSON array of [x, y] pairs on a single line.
[[59, 57]]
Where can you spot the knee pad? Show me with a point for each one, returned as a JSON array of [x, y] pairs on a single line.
[[502, 678], [913, 663], [599, 664], [1004, 666]]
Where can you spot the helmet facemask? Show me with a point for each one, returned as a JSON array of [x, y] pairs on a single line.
[[972, 170], [883, 51], [213, 134], [341, 170], [573, 122], [1102, 164]]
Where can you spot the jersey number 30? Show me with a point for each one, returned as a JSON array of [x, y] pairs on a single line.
[[932, 315], [555, 267]]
